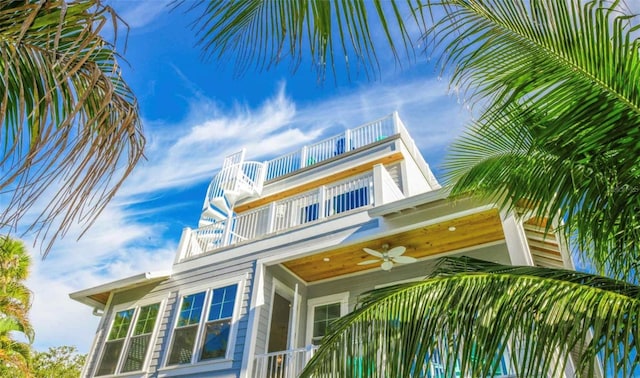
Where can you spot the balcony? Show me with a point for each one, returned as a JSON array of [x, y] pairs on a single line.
[[368, 189], [226, 228], [337, 145]]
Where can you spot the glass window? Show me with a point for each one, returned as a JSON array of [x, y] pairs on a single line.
[[323, 316], [214, 330], [185, 333], [216, 334], [137, 344]]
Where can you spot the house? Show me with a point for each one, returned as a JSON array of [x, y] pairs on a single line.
[[285, 247]]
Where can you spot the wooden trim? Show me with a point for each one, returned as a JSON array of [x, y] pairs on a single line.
[[392, 158]]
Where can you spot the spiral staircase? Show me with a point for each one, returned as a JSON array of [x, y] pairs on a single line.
[[237, 180]]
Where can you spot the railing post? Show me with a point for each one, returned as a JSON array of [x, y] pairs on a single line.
[[378, 189], [271, 218], [347, 140], [396, 122], [303, 157], [185, 244], [322, 201], [226, 235]]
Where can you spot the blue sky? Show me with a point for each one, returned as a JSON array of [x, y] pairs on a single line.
[[194, 114]]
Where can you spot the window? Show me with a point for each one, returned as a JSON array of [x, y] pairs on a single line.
[[136, 339], [322, 312], [323, 316], [211, 322]]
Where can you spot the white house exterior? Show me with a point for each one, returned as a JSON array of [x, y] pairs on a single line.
[[278, 255]]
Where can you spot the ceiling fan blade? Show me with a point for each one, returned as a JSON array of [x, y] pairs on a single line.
[[396, 251], [367, 262], [404, 259], [387, 265], [373, 252]]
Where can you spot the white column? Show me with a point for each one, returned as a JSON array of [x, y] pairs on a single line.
[[516, 239]]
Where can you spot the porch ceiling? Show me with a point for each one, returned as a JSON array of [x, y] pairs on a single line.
[[470, 230]]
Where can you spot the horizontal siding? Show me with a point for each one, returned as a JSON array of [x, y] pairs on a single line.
[[171, 291]]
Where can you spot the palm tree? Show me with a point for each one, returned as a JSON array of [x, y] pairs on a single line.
[[15, 301], [555, 87], [69, 121]]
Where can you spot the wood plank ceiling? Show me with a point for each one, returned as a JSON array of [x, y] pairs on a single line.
[[463, 232]]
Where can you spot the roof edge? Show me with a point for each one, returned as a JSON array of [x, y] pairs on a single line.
[[84, 296]]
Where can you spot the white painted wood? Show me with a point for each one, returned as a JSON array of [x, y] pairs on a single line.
[[516, 240]]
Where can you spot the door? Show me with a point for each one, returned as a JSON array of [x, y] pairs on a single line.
[[280, 324]]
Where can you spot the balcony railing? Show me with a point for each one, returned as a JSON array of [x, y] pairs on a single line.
[[283, 364], [326, 149], [290, 363], [308, 207]]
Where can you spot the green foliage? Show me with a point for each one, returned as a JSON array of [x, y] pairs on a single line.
[[65, 113], [263, 33], [558, 85], [58, 362], [15, 301], [468, 311]]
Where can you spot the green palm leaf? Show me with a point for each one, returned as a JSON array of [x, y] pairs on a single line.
[[263, 33], [469, 312], [66, 113], [560, 119]]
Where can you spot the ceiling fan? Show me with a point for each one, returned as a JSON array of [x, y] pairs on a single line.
[[388, 257]]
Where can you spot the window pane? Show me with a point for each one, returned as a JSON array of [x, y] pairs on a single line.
[[222, 302], [182, 345], [191, 309], [323, 316], [110, 357], [121, 324], [146, 319], [136, 353], [216, 339]]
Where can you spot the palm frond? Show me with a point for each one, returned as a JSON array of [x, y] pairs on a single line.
[[263, 33], [563, 76], [68, 117], [468, 314]]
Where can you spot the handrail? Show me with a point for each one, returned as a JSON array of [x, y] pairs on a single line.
[[311, 206], [315, 153]]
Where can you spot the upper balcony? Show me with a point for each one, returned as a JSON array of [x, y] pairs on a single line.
[[294, 196]]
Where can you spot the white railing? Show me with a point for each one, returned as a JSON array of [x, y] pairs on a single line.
[[283, 364], [326, 149], [311, 206], [290, 363], [247, 176]]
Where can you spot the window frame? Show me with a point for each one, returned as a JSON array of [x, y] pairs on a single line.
[[342, 298], [136, 306], [195, 364]]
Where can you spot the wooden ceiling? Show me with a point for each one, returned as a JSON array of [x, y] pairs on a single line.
[[470, 230]]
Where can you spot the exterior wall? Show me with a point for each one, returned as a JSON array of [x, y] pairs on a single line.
[[170, 291]]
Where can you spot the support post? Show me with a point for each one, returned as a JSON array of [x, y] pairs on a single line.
[[322, 201], [303, 157]]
